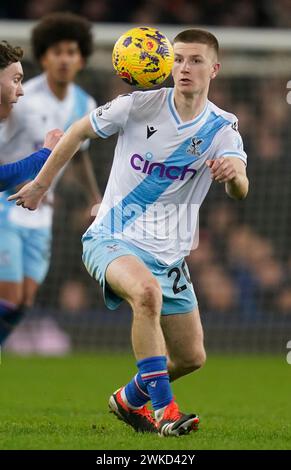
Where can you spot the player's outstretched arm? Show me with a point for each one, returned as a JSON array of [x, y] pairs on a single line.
[[232, 172], [15, 173], [32, 193]]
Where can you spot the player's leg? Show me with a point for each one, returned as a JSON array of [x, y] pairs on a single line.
[[11, 277], [36, 258], [130, 279], [184, 340], [30, 288], [124, 276], [183, 336]]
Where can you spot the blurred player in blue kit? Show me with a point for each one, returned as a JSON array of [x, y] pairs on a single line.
[[171, 144], [62, 42], [11, 76]]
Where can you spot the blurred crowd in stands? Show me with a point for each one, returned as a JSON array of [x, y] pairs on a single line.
[[244, 13]]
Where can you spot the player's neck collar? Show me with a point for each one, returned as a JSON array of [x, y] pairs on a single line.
[[180, 124]]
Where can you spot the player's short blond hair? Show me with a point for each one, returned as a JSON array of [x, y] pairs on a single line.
[[199, 36]]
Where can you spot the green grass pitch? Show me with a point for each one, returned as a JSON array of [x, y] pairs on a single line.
[[61, 403]]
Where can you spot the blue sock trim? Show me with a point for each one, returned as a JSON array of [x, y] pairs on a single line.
[[140, 384], [136, 392], [154, 374]]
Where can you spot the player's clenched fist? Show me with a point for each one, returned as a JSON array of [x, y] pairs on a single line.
[[222, 169], [52, 138]]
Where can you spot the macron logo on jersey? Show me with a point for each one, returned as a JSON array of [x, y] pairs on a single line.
[[150, 131], [161, 170]]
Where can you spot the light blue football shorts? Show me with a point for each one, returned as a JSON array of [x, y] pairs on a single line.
[[24, 252], [178, 293]]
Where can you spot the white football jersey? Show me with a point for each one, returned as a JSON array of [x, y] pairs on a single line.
[[159, 177], [36, 113]]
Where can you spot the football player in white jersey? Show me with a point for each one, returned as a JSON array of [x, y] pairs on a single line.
[[61, 42], [172, 144]]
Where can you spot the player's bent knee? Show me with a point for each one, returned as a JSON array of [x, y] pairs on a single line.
[[148, 298], [198, 360], [193, 362]]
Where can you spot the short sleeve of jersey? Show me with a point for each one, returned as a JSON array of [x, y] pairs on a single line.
[[112, 116], [229, 143]]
